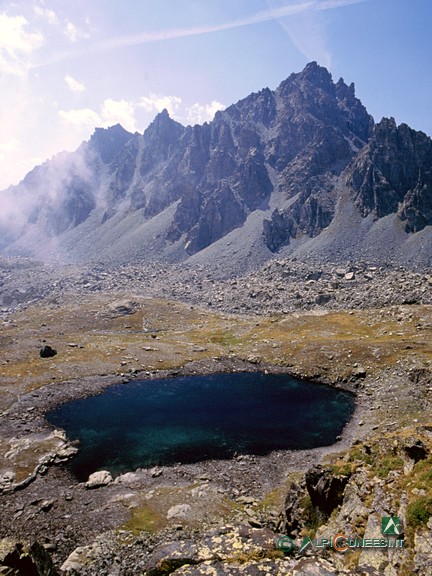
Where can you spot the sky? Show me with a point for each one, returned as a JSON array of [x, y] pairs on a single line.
[[67, 67]]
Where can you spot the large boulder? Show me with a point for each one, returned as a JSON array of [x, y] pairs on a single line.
[[99, 479], [121, 308], [415, 449], [325, 488], [47, 352], [294, 513]]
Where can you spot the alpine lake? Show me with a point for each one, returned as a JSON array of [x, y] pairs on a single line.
[[145, 423]]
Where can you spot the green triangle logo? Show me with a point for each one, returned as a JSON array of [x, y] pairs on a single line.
[[307, 542]]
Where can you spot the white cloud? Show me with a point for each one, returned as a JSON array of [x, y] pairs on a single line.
[[84, 117], [112, 112], [74, 85], [124, 112], [157, 103], [199, 113], [119, 111], [10, 145], [49, 15], [16, 44], [13, 167], [73, 33]]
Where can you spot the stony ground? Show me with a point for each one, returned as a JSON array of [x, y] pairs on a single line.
[[366, 329], [281, 286]]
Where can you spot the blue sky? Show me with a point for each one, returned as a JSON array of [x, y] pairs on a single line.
[[69, 66]]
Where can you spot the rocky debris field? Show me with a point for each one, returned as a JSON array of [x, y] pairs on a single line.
[[280, 286], [371, 336]]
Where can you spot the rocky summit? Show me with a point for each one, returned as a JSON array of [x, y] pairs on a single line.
[[302, 170]]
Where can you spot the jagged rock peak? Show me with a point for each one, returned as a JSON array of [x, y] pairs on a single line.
[[163, 119], [164, 114], [163, 125], [116, 131], [392, 174], [343, 90], [316, 74], [108, 141], [386, 124], [258, 107], [313, 75]]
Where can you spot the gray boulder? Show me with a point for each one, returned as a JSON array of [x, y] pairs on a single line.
[[99, 479]]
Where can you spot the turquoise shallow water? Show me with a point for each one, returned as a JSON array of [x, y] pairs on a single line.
[[188, 419]]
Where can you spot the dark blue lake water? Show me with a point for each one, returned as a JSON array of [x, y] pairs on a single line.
[[188, 419]]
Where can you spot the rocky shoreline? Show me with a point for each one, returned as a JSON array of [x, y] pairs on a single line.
[[26, 417], [245, 479]]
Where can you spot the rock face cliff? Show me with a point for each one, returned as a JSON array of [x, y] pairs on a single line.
[[393, 174], [301, 168]]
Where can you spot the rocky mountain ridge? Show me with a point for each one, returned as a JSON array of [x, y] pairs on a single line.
[[299, 170]]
